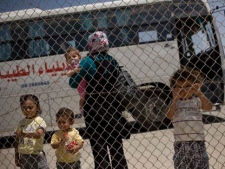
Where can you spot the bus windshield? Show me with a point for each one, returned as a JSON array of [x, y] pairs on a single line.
[[199, 38]]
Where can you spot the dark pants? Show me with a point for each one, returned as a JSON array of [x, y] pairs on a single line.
[[102, 157], [190, 154], [75, 165], [28, 161]]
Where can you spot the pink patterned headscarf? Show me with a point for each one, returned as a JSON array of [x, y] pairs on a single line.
[[98, 42]]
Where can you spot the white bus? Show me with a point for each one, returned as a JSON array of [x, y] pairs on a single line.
[[150, 38]]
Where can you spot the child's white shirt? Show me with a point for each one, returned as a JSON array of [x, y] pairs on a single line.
[[187, 121]]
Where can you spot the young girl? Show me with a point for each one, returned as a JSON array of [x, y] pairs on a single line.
[[73, 58], [67, 141], [30, 135], [185, 113]]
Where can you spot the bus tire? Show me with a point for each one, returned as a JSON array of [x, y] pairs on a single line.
[[151, 108]]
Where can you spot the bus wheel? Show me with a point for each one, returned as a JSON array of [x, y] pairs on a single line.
[[151, 108], [156, 108]]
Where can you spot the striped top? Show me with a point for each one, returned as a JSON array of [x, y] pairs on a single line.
[[187, 121]]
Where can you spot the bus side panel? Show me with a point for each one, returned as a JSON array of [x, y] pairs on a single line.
[[44, 77]]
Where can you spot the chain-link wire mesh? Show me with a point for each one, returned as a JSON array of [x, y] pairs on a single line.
[[150, 40]]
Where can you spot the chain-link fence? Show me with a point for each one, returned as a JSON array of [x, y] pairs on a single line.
[[150, 40]]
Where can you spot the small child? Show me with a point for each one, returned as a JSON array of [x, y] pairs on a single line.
[[73, 58], [67, 141], [30, 135], [185, 113]]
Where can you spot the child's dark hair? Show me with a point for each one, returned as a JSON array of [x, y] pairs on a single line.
[[33, 98], [70, 49], [184, 74], [64, 111]]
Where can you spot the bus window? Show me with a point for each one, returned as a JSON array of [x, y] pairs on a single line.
[[165, 31], [5, 33], [68, 44], [67, 25], [102, 20], [200, 42], [198, 37], [81, 38], [106, 19], [59, 44], [67, 41], [36, 29], [87, 22], [148, 36], [52, 27], [18, 50], [114, 23], [18, 31], [150, 14], [120, 37], [124, 34], [115, 40], [5, 52], [38, 48], [152, 33], [122, 17]]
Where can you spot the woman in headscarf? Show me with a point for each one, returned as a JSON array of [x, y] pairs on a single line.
[[106, 126]]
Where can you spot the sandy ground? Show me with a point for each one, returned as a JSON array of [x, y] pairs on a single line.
[[145, 150]]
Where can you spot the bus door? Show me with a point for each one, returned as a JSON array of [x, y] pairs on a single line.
[[199, 49]]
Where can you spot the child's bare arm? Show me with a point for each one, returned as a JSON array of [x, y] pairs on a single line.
[[77, 147], [35, 135], [172, 108], [58, 144], [71, 72], [205, 102]]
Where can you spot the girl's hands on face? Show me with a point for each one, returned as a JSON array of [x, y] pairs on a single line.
[[195, 89]]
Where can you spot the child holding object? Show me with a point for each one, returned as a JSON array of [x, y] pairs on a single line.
[[30, 135], [67, 141], [185, 113], [73, 58]]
